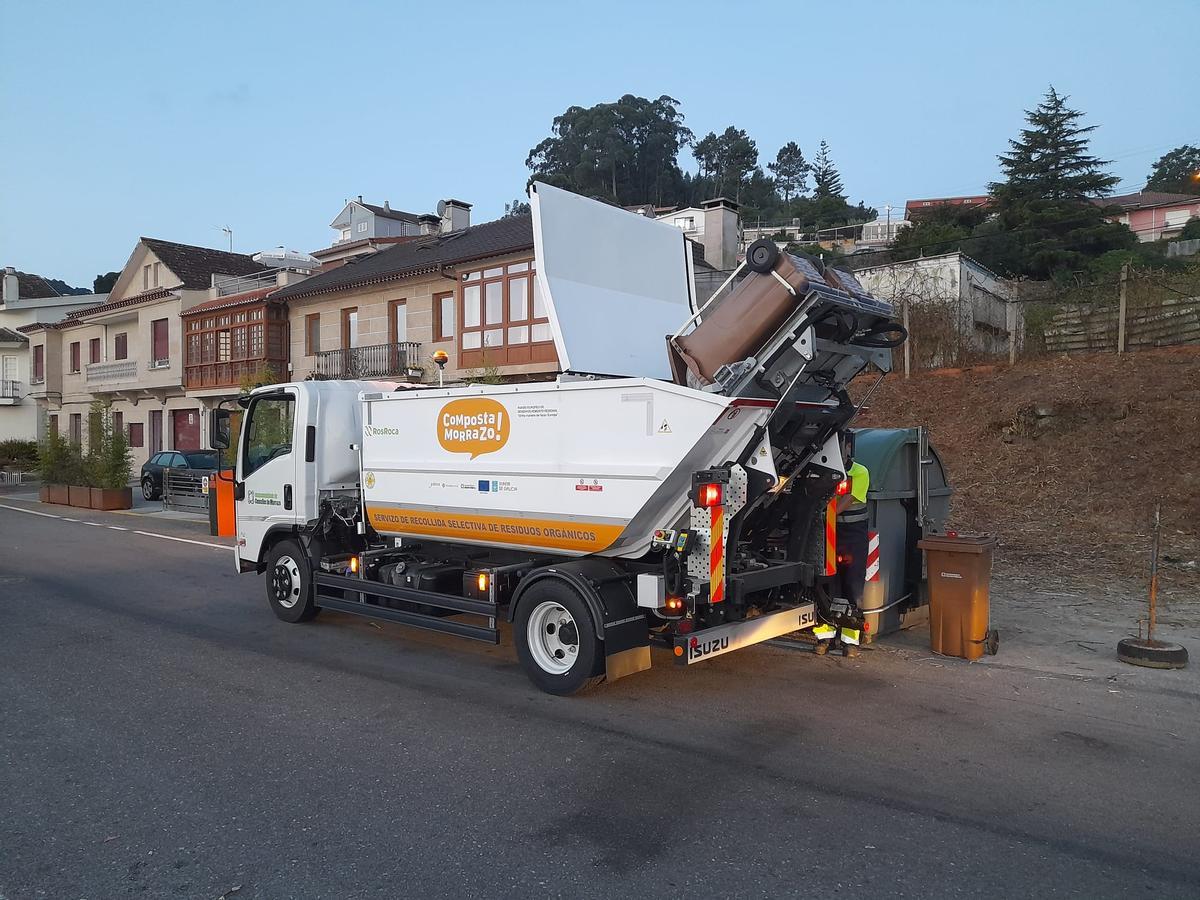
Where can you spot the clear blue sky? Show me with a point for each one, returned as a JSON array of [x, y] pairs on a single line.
[[173, 119]]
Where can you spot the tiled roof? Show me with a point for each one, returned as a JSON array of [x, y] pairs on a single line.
[[34, 327], [108, 306], [427, 254], [397, 214], [1147, 199], [7, 335], [195, 266], [34, 287], [363, 242], [230, 301]]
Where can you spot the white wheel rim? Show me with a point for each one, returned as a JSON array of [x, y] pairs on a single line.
[[286, 582], [553, 651]]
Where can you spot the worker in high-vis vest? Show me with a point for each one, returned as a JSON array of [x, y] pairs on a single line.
[[850, 581]]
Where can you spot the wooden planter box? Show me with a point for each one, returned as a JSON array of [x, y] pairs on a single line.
[[79, 496], [54, 493], [112, 498]]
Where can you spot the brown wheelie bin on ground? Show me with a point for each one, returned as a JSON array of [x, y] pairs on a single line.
[[959, 567]]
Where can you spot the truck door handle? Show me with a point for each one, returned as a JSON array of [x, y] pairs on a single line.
[[239, 490], [287, 496]]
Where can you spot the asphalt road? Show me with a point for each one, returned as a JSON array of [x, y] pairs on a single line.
[[163, 735]]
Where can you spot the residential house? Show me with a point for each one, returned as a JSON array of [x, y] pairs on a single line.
[[238, 337], [915, 209], [364, 228], [1153, 215], [713, 224], [26, 299], [470, 292], [128, 350], [956, 305]]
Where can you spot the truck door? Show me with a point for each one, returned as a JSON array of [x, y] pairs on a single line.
[[267, 468]]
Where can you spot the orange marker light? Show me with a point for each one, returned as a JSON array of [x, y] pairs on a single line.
[[679, 651], [483, 582], [354, 565]]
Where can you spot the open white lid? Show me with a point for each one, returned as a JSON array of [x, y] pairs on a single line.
[[615, 283]]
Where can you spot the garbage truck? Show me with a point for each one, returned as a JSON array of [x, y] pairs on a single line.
[[670, 487]]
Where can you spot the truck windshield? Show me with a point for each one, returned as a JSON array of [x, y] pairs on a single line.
[[269, 434]]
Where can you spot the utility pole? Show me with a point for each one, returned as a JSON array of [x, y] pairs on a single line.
[[889, 223], [1122, 309], [908, 342]]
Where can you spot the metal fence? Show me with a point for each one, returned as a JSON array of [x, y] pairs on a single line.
[[1128, 311], [186, 490], [376, 361], [10, 390], [10, 479]]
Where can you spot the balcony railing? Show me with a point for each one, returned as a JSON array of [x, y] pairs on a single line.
[[376, 361], [10, 390], [112, 372]]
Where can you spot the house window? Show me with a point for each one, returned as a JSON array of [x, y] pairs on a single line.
[[397, 321], [52, 423], [239, 342], [350, 327], [94, 350], [312, 334], [137, 436], [256, 341], [118, 422], [39, 364], [76, 433], [121, 346], [443, 316], [160, 344], [345, 234], [223, 345], [156, 430], [145, 278], [362, 227], [157, 274], [75, 357], [504, 320], [193, 350]]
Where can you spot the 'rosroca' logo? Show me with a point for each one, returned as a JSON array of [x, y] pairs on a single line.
[[474, 425]]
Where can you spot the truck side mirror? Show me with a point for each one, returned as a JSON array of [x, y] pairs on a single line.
[[219, 429]]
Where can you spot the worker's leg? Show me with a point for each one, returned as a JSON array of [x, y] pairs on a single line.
[[852, 541]]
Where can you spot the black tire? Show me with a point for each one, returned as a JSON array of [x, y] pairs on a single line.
[[1152, 654], [762, 255], [289, 583], [991, 642], [537, 606], [149, 491]]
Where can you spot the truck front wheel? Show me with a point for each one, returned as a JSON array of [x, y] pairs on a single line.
[[556, 639], [289, 583]]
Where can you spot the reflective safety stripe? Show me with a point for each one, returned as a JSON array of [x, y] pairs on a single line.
[[716, 559], [854, 514], [872, 556], [824, 632], [831, 537], [850, 636]]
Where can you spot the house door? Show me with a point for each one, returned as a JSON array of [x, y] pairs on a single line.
[[156, 423], [8, 368], [186, 429]]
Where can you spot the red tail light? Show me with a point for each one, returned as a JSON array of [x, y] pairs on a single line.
[[843, 487], [708, 496]]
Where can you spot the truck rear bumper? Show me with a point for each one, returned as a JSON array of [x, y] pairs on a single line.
[[702, 645]]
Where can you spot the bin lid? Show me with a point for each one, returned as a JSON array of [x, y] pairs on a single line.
[[956, 542], [890, 455]]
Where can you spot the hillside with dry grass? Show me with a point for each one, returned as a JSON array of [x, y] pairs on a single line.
[[1063, 458]]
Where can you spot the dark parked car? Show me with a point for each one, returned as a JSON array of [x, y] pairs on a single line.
[[152, 469]]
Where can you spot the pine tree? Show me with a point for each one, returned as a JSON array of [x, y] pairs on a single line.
[[827, 182], [790, 170], [1047, 218], [1177, 172]]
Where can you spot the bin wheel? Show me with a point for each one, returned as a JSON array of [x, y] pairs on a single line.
[[762, 255], [991, 642]]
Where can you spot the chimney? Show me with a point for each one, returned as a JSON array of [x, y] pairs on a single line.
[[11, 292], [455, 215], [720, 233], [387, 207], [360, 198], [429, 223]]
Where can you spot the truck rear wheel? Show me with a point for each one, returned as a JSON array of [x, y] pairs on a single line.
[[289, 583], [556, 639]]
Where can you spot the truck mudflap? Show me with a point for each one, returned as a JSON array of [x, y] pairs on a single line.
[[722, 639]]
